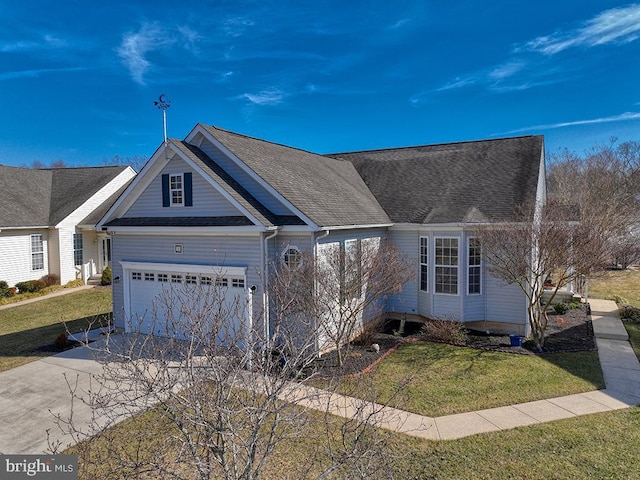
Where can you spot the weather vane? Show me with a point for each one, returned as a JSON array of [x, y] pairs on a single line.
[[163, 103]]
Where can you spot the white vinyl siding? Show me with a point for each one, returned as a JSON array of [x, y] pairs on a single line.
[[446, 265], [37, 252], [77, 249]]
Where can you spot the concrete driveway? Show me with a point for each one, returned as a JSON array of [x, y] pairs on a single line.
[[30, 396]]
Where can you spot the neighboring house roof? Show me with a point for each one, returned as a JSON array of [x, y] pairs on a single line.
[[94, 217], [328, 191], [452, 183], [45, 197]]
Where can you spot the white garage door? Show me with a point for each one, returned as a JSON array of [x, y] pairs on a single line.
[[183, 300]]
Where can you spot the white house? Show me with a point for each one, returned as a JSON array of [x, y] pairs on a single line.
[[224, 204], [47, 220]]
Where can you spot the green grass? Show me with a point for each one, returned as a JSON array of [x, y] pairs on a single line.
[[444, 379], [26, 329], [624, 284], [599, 446]]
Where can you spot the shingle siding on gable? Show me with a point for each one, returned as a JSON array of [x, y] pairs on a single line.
[[207, 201]]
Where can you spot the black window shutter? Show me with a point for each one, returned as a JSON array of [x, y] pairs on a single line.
[[188, 190], [165, 190]]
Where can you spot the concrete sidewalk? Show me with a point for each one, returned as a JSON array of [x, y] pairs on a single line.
[[29, 394]]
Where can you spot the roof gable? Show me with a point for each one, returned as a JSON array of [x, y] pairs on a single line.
[[44, 197], [452, 183], [328, 191]]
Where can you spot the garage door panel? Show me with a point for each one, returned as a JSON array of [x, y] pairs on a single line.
[[182, 304]]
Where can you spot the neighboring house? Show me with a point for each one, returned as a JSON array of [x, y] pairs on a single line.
[[224, 204], [48, 217]]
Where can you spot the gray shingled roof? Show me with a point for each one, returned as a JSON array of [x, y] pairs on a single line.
[[451, 183], [328, 191], [44, 197]]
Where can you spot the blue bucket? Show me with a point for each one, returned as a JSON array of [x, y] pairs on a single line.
[[516, 340]]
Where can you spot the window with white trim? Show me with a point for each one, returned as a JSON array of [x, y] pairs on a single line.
[[446, 266], [37, 252], [163, 277], [424, 264], [205, 280], [474, 266], [149, 277], [237, 282], [77, 249], [136, 275], [176, 190], [176, 278], [221, 282], [292, 256], [191, 280]]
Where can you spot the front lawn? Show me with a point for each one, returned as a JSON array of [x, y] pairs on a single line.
[[443, 379], [27, 332], [617, 284]]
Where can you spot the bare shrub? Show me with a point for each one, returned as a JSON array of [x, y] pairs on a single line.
[[444, 330]]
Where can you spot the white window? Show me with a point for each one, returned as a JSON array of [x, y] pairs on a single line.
[[191, 280], [475, 266], [175, 278], [77, 249], [163, 277], [176, 190], [424, 264], [237, 282], [221, 282], [136, 276], [205, 280], [37, 252], [446, 266], [292, 256], [149, 277]]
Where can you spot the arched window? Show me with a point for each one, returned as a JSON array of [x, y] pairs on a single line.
[[292, 256]]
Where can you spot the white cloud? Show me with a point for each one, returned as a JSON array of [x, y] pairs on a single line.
[[617, 25], [626, 116], [37, 73], [135, 46], [506, 70], [270, 96]]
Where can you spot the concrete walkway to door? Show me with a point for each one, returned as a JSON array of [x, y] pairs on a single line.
[[31, 393]]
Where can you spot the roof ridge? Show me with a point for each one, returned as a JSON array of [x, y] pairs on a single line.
[[431, 145]]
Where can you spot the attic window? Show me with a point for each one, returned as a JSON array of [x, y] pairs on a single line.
[[176, 190]]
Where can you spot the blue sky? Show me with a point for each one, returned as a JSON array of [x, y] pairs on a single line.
[[78, 79]]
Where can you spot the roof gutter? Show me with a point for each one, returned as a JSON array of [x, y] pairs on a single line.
[[351, 227]]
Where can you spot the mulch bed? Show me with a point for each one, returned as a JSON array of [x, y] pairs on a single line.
[[570, 332]]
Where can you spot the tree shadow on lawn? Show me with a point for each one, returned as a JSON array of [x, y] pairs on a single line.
[[40, 342]]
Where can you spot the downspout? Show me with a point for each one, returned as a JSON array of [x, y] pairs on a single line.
[[265, 283], [325, 234]]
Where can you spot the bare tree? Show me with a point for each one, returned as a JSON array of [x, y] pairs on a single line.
[[340, 290], [550, 243], [134, 161], [220, 399]]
